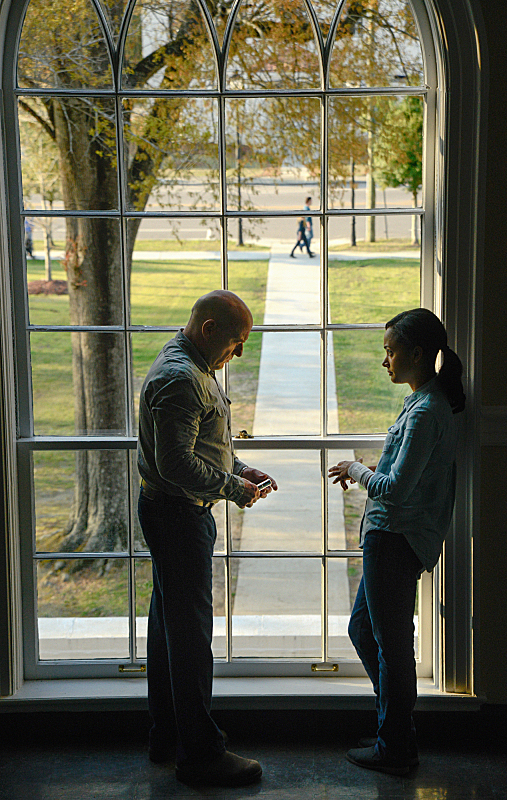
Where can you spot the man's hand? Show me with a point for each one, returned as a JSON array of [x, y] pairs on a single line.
[[250, 495], [252, 477]]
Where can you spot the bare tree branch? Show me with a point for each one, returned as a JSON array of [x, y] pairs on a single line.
[[47, 127]]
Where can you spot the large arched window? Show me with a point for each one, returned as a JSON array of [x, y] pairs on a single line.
[[167, 149]]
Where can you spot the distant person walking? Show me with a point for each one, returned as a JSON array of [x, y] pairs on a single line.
[[407, 515], [301, 239], [28, 236], [309, 222]]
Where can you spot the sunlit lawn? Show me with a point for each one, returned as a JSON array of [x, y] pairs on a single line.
[[368, 291]]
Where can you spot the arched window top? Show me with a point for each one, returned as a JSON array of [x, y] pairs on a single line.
[[114, 12], [273, 46], [168, 47], [64, 49], [376, 43], [175, 45]]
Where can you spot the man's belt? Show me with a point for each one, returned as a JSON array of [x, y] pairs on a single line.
[[152, 494]]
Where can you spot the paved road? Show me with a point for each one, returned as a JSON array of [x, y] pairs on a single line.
[[288, 196]]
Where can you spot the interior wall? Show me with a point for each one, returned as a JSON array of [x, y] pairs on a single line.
[[493, 507]]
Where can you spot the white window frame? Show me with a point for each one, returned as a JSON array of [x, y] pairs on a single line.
[[452, 646]]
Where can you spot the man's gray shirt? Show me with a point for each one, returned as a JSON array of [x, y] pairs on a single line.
[[185, 443]]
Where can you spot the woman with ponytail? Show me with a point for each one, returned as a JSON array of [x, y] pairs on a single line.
[[407, 515]]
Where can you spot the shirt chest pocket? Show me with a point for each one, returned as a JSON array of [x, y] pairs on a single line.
[[394, 438], [215, 425]]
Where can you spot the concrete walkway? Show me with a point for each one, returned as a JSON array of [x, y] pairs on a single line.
[[288, 403]]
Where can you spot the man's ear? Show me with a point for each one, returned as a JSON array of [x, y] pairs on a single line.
[[208, 328]]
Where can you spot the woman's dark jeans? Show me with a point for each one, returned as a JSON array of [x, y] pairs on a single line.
[[382, 631], [181, 537]]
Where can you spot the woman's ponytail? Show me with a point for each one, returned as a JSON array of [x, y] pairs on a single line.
[[449, 378], [420, 327]]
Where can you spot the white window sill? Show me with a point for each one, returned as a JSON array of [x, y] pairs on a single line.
[[228, 693]]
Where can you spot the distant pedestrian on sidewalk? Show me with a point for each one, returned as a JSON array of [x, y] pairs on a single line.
[[407, 515], [309, 222], [301, 239], [28, 237]]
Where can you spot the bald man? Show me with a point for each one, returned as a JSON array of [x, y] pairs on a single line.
[[187, 463]]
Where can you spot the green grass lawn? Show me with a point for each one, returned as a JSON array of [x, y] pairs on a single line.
[[364, 291], [174, 245], [381, 245]]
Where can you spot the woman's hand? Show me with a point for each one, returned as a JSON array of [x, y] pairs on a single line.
[[340, 473]]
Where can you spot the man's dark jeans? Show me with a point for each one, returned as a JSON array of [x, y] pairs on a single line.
[[382, 631], [181, 537]]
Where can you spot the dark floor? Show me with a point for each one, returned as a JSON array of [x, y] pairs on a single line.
[[79, 756]]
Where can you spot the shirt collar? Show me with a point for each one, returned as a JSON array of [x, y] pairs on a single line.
[[426, 388], [192, 351]]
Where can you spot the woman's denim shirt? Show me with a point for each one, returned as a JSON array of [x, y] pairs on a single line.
[[413, 487]]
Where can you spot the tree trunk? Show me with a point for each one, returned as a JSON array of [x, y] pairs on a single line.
[[370, 200], [99, 517], [47, 253], [415, 232], [370, 184]]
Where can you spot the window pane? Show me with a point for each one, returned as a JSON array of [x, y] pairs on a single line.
[[377, 138], [343, 577], [76, 170], [325, 11], [139, 541], [145, 348], [376, 44], [248, 276], [82, 609], [63, 49], [168, 47], [78, 382], [277, 607], [273, 148], [81, 501], [372, 282], [170, 270], [144, 586], [367, 400], [278, 235], [219, 644], [346, 509], [396, 236], [280, 289], [219, 515], [113, 11], [73, 271], [278, 379], [273, 46], [171, 153], [289, 519]]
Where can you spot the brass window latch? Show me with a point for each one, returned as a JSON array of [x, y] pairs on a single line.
[[125, 669], [244, 435], [325, 667]]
